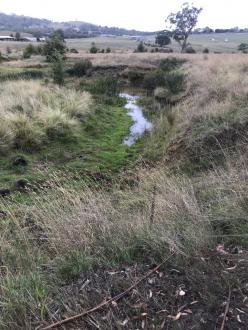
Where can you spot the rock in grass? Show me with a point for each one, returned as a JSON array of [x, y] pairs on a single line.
[[2, 214], [19, 161], [4, 192], [20, 184]]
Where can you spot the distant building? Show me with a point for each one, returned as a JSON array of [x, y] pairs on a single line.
[[30, 39], [139, 38], [6, 38], [108, 35]]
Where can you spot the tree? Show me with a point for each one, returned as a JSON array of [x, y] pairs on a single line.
[[163, 39], [140, 48], [8, 50], [58, 69], [60, 34], [182, 23], [18, 36], [53, 46], [28, 51]]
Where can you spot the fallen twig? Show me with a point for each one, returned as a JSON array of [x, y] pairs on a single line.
[[226, 310], [154, 190], [105, 303]]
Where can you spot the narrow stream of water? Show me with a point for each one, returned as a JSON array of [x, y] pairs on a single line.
[[140, 125]]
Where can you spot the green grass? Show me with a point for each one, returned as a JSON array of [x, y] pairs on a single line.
[[223, 42], [99, 145], [96, 147]]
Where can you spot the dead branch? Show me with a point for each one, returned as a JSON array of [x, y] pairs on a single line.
[[153, 205], [105, 303], [226, 311]]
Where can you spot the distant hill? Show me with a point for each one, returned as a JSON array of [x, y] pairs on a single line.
[[72, 29]]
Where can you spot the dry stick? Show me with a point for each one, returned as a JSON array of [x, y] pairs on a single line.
[[226, 311], [153, 205], [104, 303]]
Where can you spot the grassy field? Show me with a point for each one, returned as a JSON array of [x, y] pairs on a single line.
[[85, 218], [220, 42]]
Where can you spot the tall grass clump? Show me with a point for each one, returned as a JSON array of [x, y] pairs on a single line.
[[33, 114], [28, 135], [171, 63], [107, 86], [58, 124], [120, 226], [6, 136], [24, 297], [80, 68]]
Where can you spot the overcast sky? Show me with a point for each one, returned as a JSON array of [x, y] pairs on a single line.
[[144, 15]]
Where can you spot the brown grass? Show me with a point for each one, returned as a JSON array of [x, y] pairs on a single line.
[[31, 111], [68, 227]]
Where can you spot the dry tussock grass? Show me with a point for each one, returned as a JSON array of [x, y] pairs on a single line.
[[152, 59], [213, 117], [216, 84], [161, 212], [30, 111]]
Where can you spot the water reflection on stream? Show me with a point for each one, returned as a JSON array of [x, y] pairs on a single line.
[[140, 125]]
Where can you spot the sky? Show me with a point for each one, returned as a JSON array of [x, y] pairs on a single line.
[[144, 15]]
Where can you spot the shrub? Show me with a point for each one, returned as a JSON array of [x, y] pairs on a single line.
[[136, 77], [140, 48], [190, 50], [108, 50], [93, 48], [39, 50], [80, 68], [205, 51], [175, 82], [243, 47], [29, 50], [171, 63], [153, 80]]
